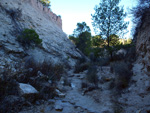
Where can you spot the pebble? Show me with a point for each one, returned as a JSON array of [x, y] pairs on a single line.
[[58, 108]]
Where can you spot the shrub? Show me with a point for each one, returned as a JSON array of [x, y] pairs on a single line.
[[123, 75], [8, 86], [118, 57], [42, 76], [81, 65], [28, 37], [103, 61], [98, 52], [92, 57], [91, 75], [131, 54], [53, 72]]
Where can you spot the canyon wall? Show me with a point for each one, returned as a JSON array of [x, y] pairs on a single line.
[[52, 16], [143, 43], [21, 14]]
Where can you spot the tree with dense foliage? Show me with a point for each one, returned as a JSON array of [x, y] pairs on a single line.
[[82, 37], [45, 2], [114, 40], [84, 42], [81, 27], [97, 41], [109, 19]]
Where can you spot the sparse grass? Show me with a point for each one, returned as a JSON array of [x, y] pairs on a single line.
[[53, 72], [91, 75], [104, 61], [81, 65], [131, 54], [43, 76]]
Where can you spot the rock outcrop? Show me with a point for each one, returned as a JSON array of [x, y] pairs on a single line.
[[55, 54], [143, 43], [20, 14]]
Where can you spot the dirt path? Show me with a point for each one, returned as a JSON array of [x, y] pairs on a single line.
[[75, 102]]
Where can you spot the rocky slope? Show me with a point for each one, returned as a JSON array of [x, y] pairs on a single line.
[[33, 92], [20, 14], [143, 43], [56, 51]]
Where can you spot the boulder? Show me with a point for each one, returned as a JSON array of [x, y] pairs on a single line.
[[26, 89], [121, 51]]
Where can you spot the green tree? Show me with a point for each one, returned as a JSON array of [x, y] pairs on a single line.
[[81, 27], [45, 2], [128, 41], [73, 39], [82, 37], [114, 40], [97, 41], [109, 19], [84, 42]]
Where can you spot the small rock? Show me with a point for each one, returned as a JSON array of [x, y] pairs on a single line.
[[51, 101], [73, 85], [142, 111], [57, 91], [72, 102], [58, 108], [50, 81], [40, 74], [81, 77], [62, 82], [78, 75], [71, 75], [37, 103], [61, 95]]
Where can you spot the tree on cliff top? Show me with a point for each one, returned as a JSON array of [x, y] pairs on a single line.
[[45, 2], [108, 19]]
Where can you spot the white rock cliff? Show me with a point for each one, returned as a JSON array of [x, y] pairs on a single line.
[[56, 47]]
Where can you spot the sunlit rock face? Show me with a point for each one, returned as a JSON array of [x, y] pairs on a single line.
[[143, 42], [55, 47]]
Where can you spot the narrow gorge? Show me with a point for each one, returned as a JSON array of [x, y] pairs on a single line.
[[50, 74]]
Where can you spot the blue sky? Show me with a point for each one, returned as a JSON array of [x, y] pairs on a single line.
[[74, 11]]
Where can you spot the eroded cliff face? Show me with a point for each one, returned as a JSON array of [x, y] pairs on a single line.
[[56, 47], [135, 98], [143, 43]]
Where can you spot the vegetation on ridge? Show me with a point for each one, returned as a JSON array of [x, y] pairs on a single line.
[[45, 2]]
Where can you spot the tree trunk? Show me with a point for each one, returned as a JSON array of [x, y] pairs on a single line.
[[108, 41]]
